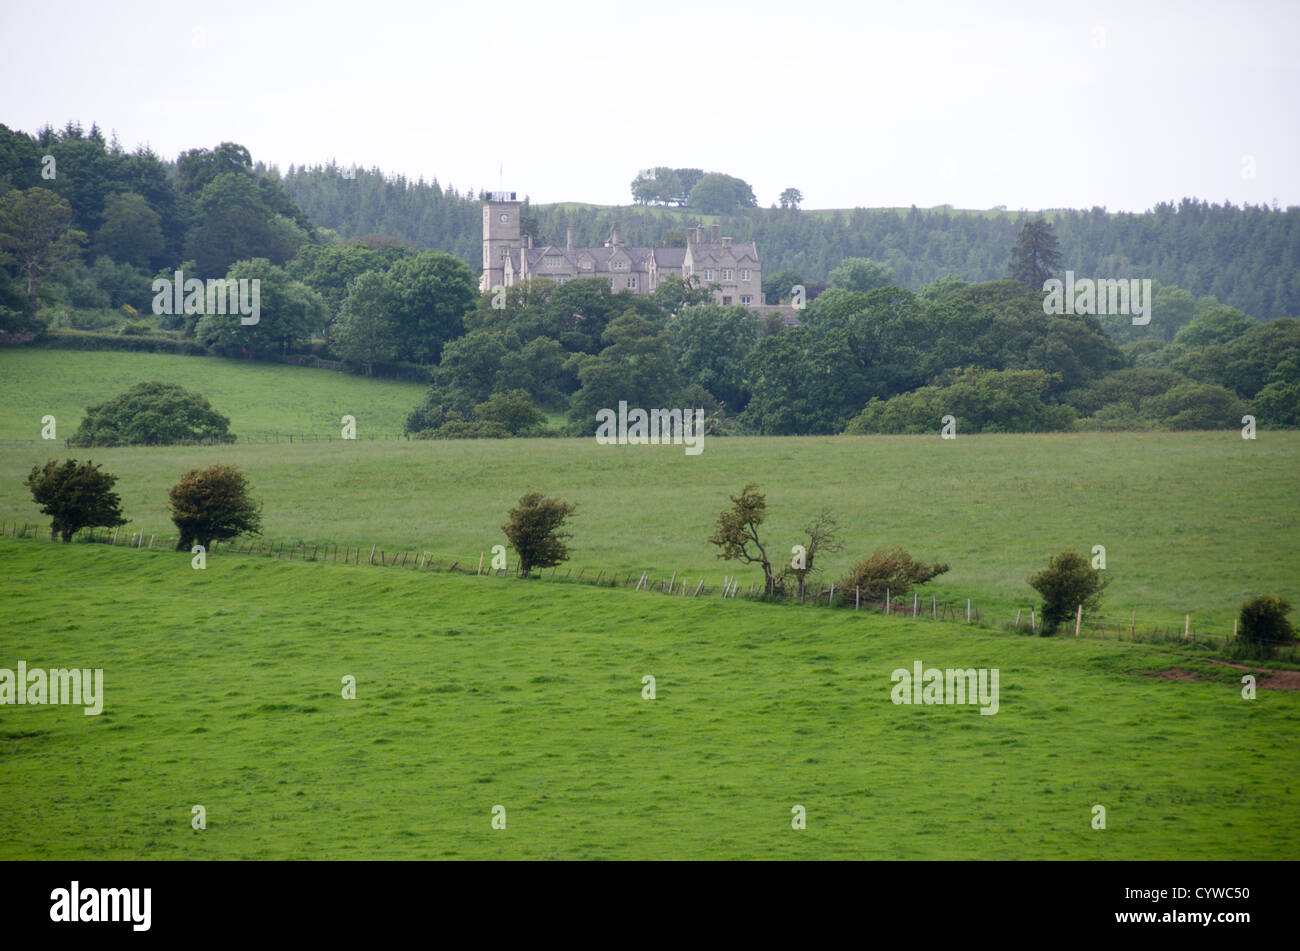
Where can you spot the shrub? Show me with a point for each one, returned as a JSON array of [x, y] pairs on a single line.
[[152, 414], [1263, 624], [894, 570], [1068, 581]]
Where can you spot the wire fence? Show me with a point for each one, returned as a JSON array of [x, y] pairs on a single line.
[[680, 584]]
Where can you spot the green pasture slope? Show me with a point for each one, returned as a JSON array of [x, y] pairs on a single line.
[[1191, 522], [222, 688], [257, 397]]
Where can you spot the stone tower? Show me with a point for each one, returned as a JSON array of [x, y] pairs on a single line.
[[500, 236]]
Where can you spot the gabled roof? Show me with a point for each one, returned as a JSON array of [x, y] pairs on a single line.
[[710, 250]]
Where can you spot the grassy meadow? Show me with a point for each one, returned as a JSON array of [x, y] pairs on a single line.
[[257, 397], [222, 688]]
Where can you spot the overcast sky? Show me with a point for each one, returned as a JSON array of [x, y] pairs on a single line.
[[1023, 104]]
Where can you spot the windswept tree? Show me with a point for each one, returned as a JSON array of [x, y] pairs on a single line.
[[823, 538], [534, 531], [791, 198], [1036, 255], [213, 504], [736, 533], [75, 495], [1068, 582]]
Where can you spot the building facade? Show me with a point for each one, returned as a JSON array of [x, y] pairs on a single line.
[[509, 256]]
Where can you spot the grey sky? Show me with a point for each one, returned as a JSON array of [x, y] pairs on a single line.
[[1022, 104]]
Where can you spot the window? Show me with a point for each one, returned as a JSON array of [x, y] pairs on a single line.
[[631, 283], [611, 283], [619, 265], [708, 273], [554, 262], [744, 299], [586, 264], [725, 300], [728, 274], [744, 274]]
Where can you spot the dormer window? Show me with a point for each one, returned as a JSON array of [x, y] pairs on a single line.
[[619, 265], [553, 262]]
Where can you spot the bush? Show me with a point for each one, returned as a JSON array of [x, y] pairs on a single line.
[[1263, 624], [512, 411], [153, 414], [1068, 581], [893, 570]]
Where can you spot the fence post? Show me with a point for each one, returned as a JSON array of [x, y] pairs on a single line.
[[480, 564], [1187, 626], [1033, 625], [934, 608], [1078, 620], [1132, 624], [857, 596], [698, 588], [968, 610], [915, 602], [1234, 629], [886, 599], [372, 552], [1018, 610], [830, 602]]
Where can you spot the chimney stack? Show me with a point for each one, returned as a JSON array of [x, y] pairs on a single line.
[[713, 232], [726, 244], [568, 239], [528, 241]]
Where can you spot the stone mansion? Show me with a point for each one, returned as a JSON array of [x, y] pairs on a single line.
[[509, 256]]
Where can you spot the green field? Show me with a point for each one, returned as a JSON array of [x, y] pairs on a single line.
[[258, 398], [222, 689], [1191, 522]]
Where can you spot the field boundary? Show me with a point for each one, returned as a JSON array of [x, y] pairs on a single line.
[[677, 584]]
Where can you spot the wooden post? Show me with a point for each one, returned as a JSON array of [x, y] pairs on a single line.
[[1187, 626], [915, 602], [968, 610], [1078, 620], [1234, 629], [934, 608], [698, 589], [1132, 623], [830, 602], [886, 599], [1033, 625], [1018, 610], [672, 584], [152, 537], [372, 552], [857, 596], [115, 536]]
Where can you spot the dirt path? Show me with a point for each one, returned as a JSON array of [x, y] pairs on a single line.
[[1276, 679]]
